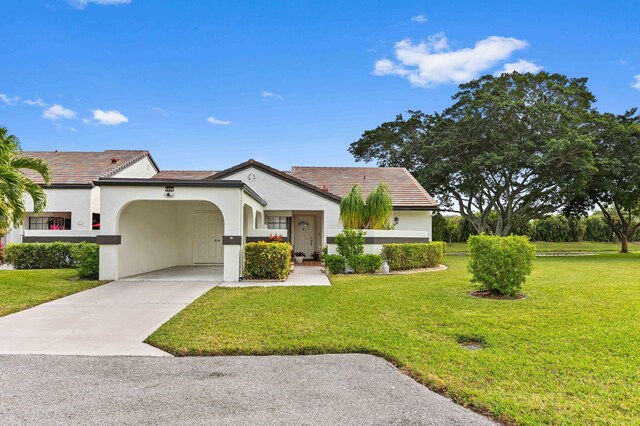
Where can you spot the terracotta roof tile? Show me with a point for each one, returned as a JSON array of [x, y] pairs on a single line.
[[84, 167], [406, 191], [184, 174]]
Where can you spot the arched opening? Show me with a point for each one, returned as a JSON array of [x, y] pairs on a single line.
[[259, 220], [171, 236]]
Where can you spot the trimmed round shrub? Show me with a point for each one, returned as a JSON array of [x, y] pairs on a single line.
[[413, 255], [598, 230], [500, 264], [267, 261], [87, 259]]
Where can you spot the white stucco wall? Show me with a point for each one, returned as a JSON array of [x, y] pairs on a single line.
[[185, 220], [76, 201], [149, 237], [140, 169], [413, 221], [283, 198]]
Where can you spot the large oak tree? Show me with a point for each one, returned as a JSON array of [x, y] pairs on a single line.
[[515, 146]]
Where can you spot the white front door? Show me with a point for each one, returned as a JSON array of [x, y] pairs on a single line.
[[207, 241], [304, 234]]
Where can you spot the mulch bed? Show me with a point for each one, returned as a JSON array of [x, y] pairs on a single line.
[[484, 294]]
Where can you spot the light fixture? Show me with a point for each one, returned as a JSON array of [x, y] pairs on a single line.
[[396, 220]]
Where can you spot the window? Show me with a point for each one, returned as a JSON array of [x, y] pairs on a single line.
[[50, 222], [276, 222]]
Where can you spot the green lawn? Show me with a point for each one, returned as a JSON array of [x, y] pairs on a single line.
[[544, 246], [22, 289], [568, 354]]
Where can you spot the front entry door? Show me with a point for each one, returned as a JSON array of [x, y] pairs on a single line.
[[207, 242], [305, 230]]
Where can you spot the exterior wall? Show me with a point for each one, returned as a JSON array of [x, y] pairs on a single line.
[[114, 200], [410, 220], [149, 238], [286, 199], [141, 169]]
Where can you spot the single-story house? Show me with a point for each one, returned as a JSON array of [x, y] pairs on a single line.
[[151, 219]]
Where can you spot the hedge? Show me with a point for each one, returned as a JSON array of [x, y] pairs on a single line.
[[267, 261], [40, 255], [413, 255], [500, 264]]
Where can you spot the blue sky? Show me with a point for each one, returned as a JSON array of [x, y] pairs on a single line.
[[205, 85]]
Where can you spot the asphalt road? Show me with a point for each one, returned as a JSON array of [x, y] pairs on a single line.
[[324, 389]]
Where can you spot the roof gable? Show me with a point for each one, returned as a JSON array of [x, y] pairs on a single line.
[[82, 168], [278, 174]]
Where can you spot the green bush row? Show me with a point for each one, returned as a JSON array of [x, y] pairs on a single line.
[[267, 261], [84, 256], [500, 264], [40, 255], [553, 228], [413, 255]]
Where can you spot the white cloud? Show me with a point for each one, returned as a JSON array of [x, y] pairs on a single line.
[[521, 67], [432, 62], [35, 102], [636, 82], [106, 118], [58, 112], [8, 100], [161, 111], [267, 94], [421, 19], [217, 122], [81, 4]]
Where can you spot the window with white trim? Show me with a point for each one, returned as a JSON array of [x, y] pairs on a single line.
[[276, 222]]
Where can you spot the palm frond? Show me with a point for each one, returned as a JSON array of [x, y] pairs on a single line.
[[38, 165], [379, 207]]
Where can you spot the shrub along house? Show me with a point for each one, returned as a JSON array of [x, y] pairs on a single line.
[[151, 221]]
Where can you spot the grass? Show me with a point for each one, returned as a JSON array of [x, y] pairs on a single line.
[[22, 289], [548, 247], [568, 354]]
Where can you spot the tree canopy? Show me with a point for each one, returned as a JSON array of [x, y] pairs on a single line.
[[614, 186], [516, 145], [15, 185]]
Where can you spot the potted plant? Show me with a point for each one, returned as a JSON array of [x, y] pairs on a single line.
[[316, 256], [299, 256]]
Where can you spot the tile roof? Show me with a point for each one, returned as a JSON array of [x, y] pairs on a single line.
[[81, 168], [406, 191], [184, 174]]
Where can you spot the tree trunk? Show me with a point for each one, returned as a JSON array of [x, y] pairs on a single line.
[[625, 244]]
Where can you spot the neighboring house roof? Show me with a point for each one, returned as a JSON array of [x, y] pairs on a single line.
[[406, 191], [82, 168], [277, 173], [184, 174]]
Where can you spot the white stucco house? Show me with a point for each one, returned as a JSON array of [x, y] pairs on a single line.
[[151, 219]]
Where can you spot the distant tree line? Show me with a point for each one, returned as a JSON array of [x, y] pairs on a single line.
[[552, 228]]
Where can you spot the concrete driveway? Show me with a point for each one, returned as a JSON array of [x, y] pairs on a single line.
[[113, 319], [303, 390]]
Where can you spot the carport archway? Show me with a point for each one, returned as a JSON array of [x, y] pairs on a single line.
[[161, 234]]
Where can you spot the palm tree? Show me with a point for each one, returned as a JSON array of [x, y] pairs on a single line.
[[14, 183], [379, 207], [353, 214]]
